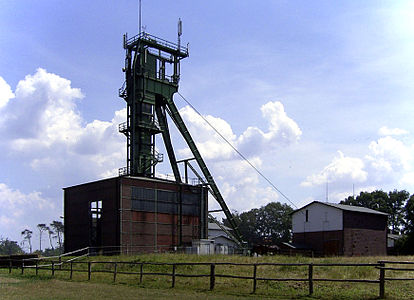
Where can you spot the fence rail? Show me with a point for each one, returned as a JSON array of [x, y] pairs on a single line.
[[68, 266]]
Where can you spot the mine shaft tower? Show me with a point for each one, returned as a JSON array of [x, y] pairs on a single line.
[[152, 73]]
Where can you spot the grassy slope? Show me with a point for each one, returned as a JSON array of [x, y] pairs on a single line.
[[156, 287], [34, 289]]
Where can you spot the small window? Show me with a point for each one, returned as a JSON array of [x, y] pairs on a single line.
[[307, 216], [96, 209]]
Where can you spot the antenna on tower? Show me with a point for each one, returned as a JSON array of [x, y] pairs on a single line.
[[180, 32], [353, 191], [139, 17]]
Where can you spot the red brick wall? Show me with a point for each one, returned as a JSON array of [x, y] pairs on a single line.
[[365, 242], [138, 228], [365, 234], [145, 231]]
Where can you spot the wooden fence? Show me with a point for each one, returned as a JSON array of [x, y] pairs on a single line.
[[55, 266]]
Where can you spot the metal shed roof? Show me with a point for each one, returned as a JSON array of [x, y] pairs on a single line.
[[214, 226], [347, 208]]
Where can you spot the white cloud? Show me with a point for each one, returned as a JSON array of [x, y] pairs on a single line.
[[5, 93], [51, 136], [16, 207], [282, 128], [385, 131], [387, 164], [20, 211], [282, 131], [45, 131], [341, 168], [44, 110], [240, 184], [209, 143], [44, 125], [389, 155]]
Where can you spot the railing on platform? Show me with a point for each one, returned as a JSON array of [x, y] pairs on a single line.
[[153, 39]]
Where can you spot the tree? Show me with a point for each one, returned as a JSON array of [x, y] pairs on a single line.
[[58, 227], [275, 222], [27, 235], [396, 205], [409, 217], [50, 232], [391, 203], [248, 226], [41, 227], [8, 247], [267, 225], [375, 200]]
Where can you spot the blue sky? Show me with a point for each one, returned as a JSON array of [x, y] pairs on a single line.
[[310, 91]]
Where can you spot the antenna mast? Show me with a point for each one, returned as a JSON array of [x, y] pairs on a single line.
[[139, 18], [180, 32]]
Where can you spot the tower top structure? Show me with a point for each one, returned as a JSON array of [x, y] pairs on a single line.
[[152, 74]]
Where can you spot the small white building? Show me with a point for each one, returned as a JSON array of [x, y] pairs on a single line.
[[223, 243], [202, 247], [392, 239]]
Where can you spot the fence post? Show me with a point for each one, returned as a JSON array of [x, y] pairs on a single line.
[[310, 279], [71, 270], [53, 268], [212, 276], [60, 262], [10, 265], [141, 272], [173, 276], [115, 270], [22, 267], [254, 278], [89, 270], [382, 281], [37, 269]]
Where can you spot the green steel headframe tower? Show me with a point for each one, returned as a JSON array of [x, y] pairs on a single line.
[[152, 73]]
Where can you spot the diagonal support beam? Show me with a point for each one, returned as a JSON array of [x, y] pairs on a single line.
[[162, 120], [175, 115]]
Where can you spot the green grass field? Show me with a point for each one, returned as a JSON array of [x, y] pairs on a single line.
[[101, 286]]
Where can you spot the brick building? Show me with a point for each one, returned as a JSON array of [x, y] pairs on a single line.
[[336, 229], [134, 214]]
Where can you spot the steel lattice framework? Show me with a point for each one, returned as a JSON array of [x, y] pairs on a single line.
[[152, 73]]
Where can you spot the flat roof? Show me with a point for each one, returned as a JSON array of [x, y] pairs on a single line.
[[152, 179]]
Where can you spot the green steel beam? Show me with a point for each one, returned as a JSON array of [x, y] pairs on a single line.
[[149, 92], [162, 119], [175, 115]]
